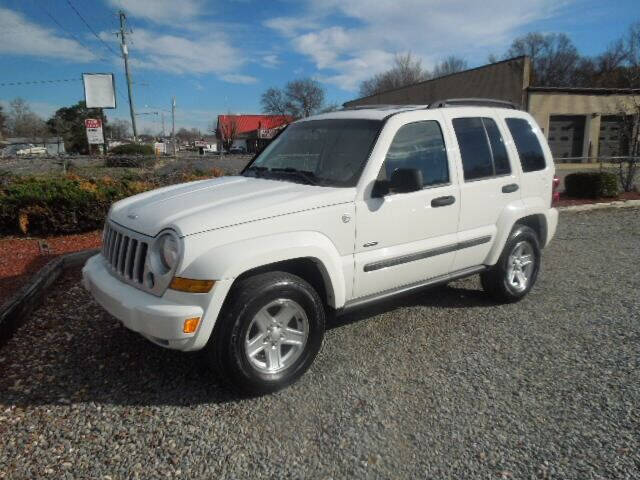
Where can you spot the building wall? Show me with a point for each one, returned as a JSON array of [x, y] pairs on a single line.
[[506, 80], [543, 105]]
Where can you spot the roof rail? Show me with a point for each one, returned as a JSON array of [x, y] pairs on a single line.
[[383, 107], [474, 102]]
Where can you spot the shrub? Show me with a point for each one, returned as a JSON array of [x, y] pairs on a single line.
[[591, 185], [130, 162], [71, 203], [132, 149]]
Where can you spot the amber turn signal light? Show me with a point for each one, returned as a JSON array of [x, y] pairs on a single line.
[[191, 286], [191, 324]]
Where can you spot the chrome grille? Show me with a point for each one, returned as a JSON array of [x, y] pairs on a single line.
[[126, 254]]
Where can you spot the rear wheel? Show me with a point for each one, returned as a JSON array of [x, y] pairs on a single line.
[[515, 273], [269, 333]]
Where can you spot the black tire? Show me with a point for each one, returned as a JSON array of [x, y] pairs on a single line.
[[495, 281], [225, 351]]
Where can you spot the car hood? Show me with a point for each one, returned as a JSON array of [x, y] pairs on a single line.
[[196, 207]]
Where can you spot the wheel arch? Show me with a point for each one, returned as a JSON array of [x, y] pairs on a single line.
[[533, 217], [310, 255]]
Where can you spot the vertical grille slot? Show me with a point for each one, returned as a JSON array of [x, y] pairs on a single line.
[[139, 267], [124, 245], [131, 255], [125, 254]]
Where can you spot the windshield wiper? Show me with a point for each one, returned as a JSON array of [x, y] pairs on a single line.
[[304, 175], [256, 170]]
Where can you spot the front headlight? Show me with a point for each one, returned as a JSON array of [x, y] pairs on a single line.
[[169, 251], [165, 253]]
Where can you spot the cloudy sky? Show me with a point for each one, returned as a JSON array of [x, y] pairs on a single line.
[[217, 56]]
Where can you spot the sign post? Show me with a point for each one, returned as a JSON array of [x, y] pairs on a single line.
[[99, 92], [94, 131]]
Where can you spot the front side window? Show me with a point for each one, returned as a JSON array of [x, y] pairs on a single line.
[[527, 144], [319, 152], [420, 146]]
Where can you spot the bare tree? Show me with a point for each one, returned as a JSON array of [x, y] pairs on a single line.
[[406, 70], [273, 101], [228, 131], [300, 98], [118, 129], [23, 122], [3, 123], [553, 56], [304, 97], [449, 65]]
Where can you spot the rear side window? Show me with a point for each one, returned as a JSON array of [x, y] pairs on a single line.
[[527, 144], [481, 148], [500, 157], [418, 145]]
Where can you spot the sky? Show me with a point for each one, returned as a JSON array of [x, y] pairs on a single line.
[[218, 57]]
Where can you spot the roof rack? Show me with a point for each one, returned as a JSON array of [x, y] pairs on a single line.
[[384, 107], [474, 102]]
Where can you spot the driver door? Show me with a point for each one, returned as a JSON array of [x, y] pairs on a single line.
[[404, 238]]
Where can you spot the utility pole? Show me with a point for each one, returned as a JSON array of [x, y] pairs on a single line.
[[125, 54], [173, 125]]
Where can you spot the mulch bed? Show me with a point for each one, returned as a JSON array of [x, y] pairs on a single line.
[[569, 202], [21, 257]]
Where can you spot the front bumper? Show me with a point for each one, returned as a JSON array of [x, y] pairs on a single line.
[[160, 319]]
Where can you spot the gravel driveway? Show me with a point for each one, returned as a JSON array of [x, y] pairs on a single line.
[[441, 384]]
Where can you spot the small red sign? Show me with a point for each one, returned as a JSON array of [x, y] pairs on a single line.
[[93, 123]]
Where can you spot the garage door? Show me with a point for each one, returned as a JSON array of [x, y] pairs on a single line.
[[609, 141], [566, 135]]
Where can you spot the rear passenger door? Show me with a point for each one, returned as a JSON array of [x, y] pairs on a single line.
[[488, 182]]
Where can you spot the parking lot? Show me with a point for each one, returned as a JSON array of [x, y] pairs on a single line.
[[441, 384]]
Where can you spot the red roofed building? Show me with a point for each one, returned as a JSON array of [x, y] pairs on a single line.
[[250, 131]]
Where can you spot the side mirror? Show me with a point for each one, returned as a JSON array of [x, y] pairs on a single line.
[[405, 180]]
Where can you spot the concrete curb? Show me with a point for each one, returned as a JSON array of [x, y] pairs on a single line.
[[15, 311], [597, 206]]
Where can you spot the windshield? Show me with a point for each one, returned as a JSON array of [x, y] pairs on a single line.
[[318, 152]]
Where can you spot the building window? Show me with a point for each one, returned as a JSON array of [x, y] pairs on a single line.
[[481, 148], [527, 144], [418, 145]]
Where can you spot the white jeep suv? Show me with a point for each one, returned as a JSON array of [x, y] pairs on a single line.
[[341, 209]]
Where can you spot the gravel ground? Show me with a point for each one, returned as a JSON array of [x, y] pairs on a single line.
[[441, 384]]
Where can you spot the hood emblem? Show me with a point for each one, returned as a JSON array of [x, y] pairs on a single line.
[[132, 216]]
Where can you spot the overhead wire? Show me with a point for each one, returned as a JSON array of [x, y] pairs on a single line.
[[91, 29]]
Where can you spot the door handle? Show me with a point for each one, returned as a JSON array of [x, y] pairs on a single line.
[[443, 201], [512, 187]]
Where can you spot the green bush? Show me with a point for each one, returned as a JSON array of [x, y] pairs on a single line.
[[57, 205], [130, 162], [71, 203], [591, 185], [132, 149]]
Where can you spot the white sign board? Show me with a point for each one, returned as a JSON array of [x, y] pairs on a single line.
[[94, 131], [99, 90]]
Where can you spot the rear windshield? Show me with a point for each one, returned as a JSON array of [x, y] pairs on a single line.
[[320, 152]]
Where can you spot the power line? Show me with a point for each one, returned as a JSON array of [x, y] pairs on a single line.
[[65, 29], [92, 30], [38, 82]]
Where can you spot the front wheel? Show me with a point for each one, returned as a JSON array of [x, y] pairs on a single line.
[[269, 333], [515, 273]]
